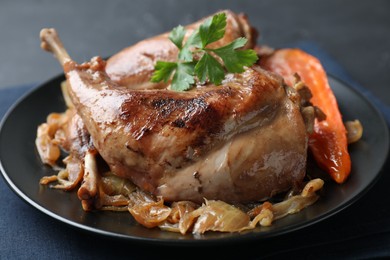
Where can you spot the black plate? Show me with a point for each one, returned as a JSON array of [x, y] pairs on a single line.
[[22, 170]]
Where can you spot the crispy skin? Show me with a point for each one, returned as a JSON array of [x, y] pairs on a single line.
[[239, 142]]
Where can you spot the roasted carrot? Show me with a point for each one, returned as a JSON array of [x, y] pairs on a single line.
[[328, 142]]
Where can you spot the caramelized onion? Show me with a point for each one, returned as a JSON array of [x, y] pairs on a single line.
[[149, 213], [215, 215]]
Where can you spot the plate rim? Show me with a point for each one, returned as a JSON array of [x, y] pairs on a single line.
[[230, 239]]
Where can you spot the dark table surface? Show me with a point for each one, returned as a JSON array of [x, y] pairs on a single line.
[[356, 34]]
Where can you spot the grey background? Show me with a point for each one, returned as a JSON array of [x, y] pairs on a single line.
[[355, 33]]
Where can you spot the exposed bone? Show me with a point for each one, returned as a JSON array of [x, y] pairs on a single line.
[[51, 42]]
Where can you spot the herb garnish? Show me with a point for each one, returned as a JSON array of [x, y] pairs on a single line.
[[195, 59]]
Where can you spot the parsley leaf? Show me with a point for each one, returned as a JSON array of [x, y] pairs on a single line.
[[235, 60], [213, 29], [184, 76], [204, 65], [209, 67], [177, 36], [193, 42], [163, 71]]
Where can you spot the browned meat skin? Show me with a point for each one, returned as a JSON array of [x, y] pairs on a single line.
[[134, 65], [240, 142]]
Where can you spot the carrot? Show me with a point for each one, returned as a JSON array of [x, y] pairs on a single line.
[[328, 142]]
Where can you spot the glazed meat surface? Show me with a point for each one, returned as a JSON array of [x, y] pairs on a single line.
[[239, 142], [242, 141]]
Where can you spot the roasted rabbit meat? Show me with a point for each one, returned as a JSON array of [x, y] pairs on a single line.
[[242, 141]]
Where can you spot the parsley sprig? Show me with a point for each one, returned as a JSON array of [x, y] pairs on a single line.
[[197, 62]]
